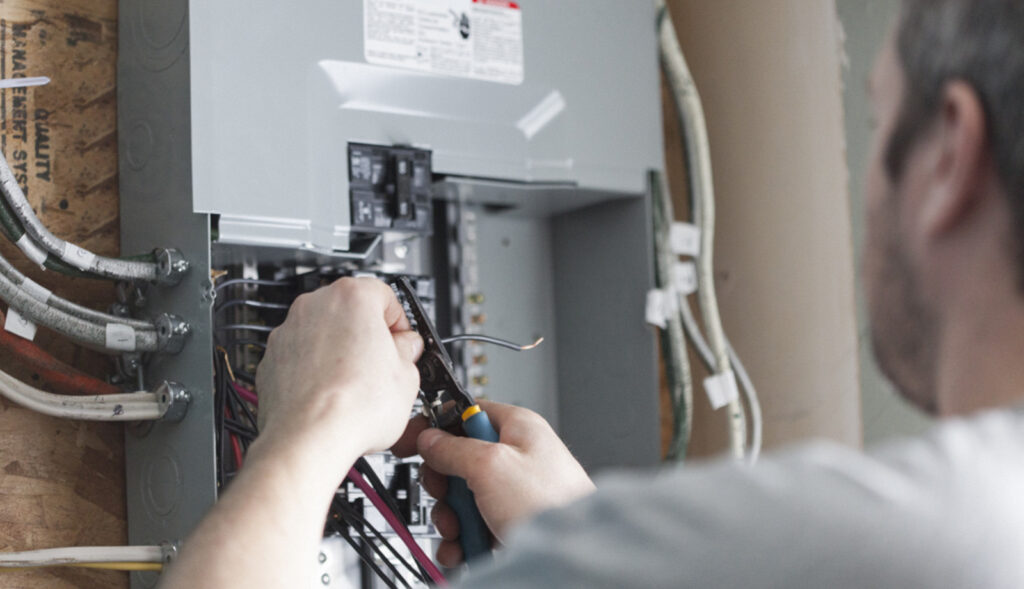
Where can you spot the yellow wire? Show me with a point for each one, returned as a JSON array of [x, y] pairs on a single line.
[[110, 566]]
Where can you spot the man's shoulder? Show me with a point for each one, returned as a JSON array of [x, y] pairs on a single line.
[[937, 510]]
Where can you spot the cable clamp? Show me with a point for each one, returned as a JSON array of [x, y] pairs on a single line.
[[684, 278], [684, 238], [721, 389], [661, 304], [171, 332], [171, 266], [168, 551], [174, 400]]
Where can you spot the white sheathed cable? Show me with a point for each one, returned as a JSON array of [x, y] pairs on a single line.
[[698, 154], [80, 555], [140, 406], [70, 253]]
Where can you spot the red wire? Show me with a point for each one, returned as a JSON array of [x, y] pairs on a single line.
[[396, 525], [237, 447], [54, 375]]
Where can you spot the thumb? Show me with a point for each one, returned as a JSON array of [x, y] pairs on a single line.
[[409, 345], [451, 455]]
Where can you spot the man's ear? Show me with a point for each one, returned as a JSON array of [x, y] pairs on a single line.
[[961, 160]]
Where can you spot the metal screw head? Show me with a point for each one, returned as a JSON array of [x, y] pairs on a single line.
[[325, 579], [401, 250]]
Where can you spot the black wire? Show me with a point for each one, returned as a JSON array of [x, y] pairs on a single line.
[[234, 396], [245, 327], [251, 303], [347, 511], [240, 430], [364, 468], [361, 551], [251, 282]]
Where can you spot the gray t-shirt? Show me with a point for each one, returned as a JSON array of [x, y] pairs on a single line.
[[943, 510]]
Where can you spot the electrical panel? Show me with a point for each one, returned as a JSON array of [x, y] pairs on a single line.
[[498, 158]]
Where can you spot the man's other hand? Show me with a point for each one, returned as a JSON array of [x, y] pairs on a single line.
[[527, 471], [340, 372]]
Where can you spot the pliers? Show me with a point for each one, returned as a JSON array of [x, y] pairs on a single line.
[[449, 407]]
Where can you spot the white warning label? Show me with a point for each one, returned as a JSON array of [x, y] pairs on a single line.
[[479, 39]]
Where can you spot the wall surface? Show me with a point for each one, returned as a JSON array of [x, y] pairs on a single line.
[[62, 482], [769, 75], [866, 23]]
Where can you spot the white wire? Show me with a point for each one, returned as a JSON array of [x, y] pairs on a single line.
[[81, 555], [139, 406], [698, 154], [745, 382]]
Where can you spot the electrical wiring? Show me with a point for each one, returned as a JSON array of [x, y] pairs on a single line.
[[360, 525], [84, 332], [246, 395], [701, 184], [138, 406], [360, 550], [113, 268], [104, 557], [417, 552], [673, 342], [244, 327], [250, 282], [357, 521], [253, 304], [486, 339], [12, 230], [745, 382], [363, 467], [53, 374], [29, 286]]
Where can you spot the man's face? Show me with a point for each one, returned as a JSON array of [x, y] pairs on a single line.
[[901, 323]]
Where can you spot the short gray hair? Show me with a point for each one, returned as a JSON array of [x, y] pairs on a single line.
[[980, 42]]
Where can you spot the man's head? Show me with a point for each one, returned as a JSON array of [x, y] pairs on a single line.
[[946, 179]]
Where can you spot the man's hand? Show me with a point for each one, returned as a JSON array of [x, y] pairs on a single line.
[[528, 471], [340, 370]]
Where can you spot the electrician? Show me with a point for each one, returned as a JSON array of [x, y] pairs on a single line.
[[944, 267]]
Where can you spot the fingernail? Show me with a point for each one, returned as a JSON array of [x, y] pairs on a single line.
[[428, 438]]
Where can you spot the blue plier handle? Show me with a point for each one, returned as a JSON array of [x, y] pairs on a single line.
[[453, 409]]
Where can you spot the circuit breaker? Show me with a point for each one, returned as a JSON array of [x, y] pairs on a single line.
[[495, 152]]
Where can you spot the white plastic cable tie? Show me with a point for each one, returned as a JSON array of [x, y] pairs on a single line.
[[78, 257], [24, 82], [661, 304], [721, 389], [18, 325], [30, 249], [38, 291], [120, 337], [684, 239], [684, 278]]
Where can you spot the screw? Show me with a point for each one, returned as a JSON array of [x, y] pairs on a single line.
[[325, 579], [322, 557]]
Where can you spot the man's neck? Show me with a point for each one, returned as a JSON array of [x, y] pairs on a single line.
[[981, 358]]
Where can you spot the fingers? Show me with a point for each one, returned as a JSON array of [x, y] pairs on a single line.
[[445, 520], [434, 482], [461, 457], [409, 345], [363, 288], [406, 445], [449, 554]]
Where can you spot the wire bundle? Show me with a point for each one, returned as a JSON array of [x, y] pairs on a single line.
[[715, 352]]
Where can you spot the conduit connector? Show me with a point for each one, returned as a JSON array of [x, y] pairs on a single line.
[[170, 266], [171, 332], [174, 398]]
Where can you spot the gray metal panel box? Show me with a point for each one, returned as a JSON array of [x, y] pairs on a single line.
[[245, 110]]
